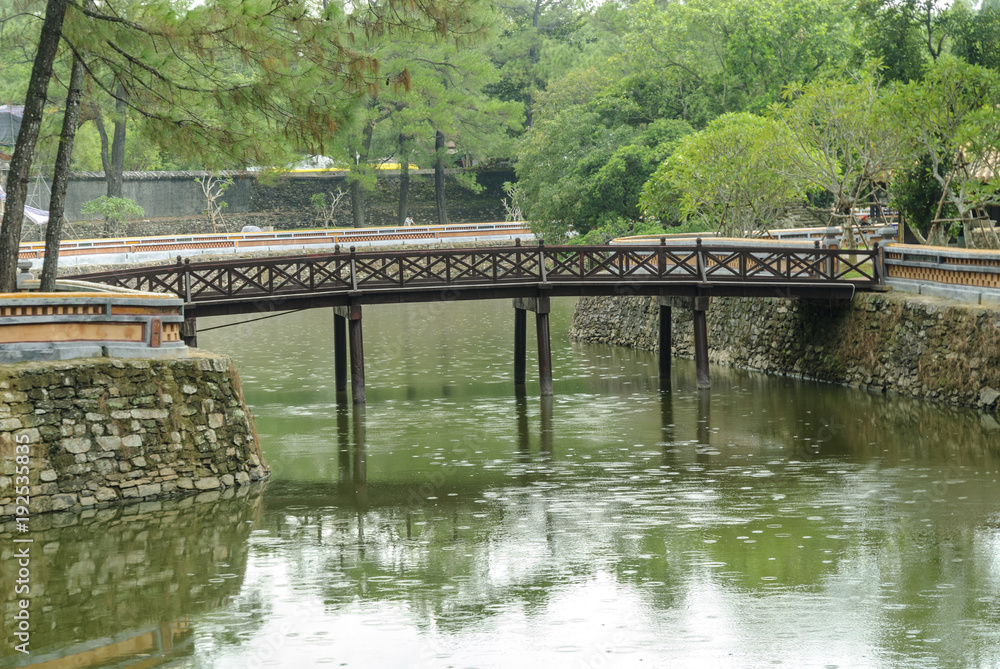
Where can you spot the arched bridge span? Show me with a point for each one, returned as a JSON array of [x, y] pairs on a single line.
[[679, 274]]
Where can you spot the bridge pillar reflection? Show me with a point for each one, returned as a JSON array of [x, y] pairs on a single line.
[[541, 307], [699, 305], [353, 316]]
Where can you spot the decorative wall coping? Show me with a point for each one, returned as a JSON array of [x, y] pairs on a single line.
[[711, 240], [966, 275], [84, 319], [803, 235], [137, 249]]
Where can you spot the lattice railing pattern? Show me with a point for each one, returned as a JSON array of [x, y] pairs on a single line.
[[381, 270]]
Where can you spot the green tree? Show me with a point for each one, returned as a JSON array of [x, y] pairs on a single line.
[[846, 144], [901, 34], [20, 164], [721, 56], [582, 165], [976, 34], [916, 194], [225, 79], [114, 210], [953, 117], [60, 177], [730, 176]]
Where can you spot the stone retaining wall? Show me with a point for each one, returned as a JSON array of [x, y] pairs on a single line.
[[101, 430], [913, 345]]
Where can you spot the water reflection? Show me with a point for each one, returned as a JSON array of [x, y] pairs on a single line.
[[112, 585], [621, 523], [627, 519]]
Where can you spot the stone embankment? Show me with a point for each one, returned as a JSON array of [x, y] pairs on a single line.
[[912, 345], [91, 432]]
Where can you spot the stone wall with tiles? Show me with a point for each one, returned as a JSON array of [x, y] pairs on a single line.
[[104, 430], [894, 342]]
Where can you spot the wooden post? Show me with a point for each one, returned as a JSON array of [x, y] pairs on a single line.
[[344, 480], [357, 361], [667, 417], [665, 324], [520, 345], [340, 351], [544, 352], [540, 305], [701, 347], [353, 316], [699, 305], [189, 331]]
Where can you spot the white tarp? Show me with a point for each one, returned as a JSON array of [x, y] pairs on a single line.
[[36, 216]]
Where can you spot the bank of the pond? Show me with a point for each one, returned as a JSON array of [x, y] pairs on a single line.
[[92, 432], [912, 345]]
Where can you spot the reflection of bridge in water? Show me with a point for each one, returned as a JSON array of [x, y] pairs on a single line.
[[680, 275]]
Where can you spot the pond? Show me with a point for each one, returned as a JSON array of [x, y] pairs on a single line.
[[453, 522]]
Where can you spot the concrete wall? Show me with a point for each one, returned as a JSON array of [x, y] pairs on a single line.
[[158, 193], [178, 195], [102, 430], [912, 345]]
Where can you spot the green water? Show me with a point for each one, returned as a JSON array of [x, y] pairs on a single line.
[[451, 523]]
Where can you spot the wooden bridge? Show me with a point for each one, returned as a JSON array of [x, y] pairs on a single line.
[[682, 275]]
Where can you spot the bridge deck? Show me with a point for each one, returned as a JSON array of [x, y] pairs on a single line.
[[385, 277]]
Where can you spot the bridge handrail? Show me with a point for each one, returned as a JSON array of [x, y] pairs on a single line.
[[379, 270]]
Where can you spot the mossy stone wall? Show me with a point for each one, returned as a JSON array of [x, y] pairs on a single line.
[[912, 345], [103, 430]]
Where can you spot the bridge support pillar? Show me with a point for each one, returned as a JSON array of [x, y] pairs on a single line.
[[340, 351], [665, 343], [540, 305], [701, 347], [699, 305], [353, 316], [189, 332], [520, 344]]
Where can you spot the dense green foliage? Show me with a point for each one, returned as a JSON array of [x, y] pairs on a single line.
[[114, 210], [734, 176], [618, 117]]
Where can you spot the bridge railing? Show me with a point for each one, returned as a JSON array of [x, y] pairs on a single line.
[[401, 270]]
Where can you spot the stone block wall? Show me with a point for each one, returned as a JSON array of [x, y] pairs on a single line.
[[912, 345], [103, 430]]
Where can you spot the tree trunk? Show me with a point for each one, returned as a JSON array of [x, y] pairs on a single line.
[[442, 214], [357, 204], [114, 176], [20, 164], [533, 58], [105, 144], [60, 177], [404, 182]]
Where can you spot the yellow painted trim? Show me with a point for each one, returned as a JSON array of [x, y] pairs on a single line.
[[69, 331]]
